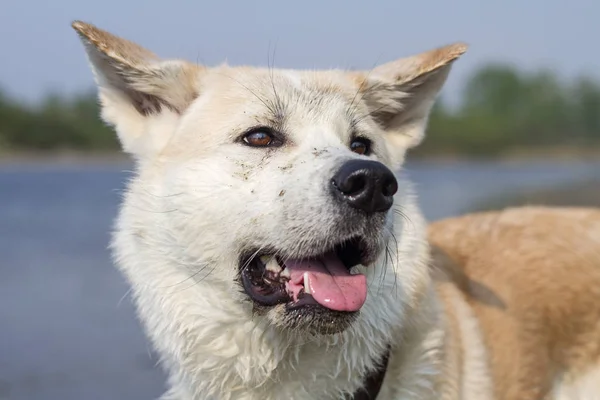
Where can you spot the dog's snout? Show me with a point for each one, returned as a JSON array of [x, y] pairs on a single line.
[[365, 185]]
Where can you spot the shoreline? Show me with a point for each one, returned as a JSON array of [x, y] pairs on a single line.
[[119, 158], [583, 193], [64, 158]]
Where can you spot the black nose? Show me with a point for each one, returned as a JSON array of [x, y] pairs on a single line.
[[366, 185]]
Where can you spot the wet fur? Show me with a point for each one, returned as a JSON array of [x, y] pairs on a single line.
[[199, 199]]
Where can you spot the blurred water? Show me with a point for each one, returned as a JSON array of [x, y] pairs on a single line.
[[65, 332]]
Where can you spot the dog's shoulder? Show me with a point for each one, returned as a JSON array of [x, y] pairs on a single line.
[[540, 258], [539, 240], [532, 277], [529, 242], [466, 233], [533, 258]]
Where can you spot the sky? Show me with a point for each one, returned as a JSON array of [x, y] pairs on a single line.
[[41, 53]]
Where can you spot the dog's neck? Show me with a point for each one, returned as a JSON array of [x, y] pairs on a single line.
[[373, 381], [213, 348], [250, 361]]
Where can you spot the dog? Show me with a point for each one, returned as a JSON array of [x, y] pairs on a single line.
[[273, 252]]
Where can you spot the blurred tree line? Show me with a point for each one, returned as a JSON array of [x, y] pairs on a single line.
[[57, 123], [502, 109]]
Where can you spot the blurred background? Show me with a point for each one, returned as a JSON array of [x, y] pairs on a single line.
[[517, 123]]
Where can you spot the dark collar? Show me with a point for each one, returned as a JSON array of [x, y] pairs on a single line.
[[373, 381]]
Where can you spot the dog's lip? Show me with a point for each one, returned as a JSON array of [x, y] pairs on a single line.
[[266, 288], [305, 301], [370, 251]]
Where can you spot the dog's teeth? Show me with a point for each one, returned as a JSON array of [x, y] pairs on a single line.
[[286, 273], [272, 265], [307, 289], [265, 259]]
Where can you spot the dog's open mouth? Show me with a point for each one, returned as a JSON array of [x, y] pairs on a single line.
[[323, 280]]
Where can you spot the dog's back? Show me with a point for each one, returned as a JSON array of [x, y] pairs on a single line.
[[531, 277]]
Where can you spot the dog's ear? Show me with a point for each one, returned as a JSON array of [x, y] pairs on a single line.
[[401, 93], [141, 95]]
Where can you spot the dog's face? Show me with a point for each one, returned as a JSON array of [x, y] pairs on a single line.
[[274, 185]]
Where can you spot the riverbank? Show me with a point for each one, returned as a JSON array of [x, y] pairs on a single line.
[[63, 157], [585, 193], [541, 155]]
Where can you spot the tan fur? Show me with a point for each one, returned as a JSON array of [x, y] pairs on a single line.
[[139, 72], [531, 277], [121, 50], [506, 308]]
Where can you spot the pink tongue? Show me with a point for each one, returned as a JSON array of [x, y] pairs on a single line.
[[331, 284]]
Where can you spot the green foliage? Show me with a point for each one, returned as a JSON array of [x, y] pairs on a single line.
[[502, 109], [505, 110], [55, 124]]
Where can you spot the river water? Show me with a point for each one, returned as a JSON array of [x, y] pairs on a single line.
[[67, 328]]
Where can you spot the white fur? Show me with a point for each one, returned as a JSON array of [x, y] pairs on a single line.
[[476, 374], [144, 136], [585, 387], [199, 197], [212, 345]]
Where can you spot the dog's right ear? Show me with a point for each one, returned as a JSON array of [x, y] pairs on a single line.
[[400, 94], [140, 95]]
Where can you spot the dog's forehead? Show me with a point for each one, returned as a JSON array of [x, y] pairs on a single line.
[[280, 95], [326, 82]]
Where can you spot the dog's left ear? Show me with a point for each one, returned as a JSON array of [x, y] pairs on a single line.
[[401, 93], [141, 95]]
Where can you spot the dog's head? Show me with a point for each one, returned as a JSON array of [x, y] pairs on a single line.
[[274, 185]]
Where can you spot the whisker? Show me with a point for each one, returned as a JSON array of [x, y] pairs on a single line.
[[404, 217], [397, 263], [385, 265], [156, 211], [124, 296], [183, 281], [278, 103], [162, 196], [193, 276], [251, 258]]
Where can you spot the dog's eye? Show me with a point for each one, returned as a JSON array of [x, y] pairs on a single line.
[[258, 139], [261, 137], [361, 146]]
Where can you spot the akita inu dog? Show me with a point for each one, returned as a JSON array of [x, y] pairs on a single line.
[[274, 254]]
